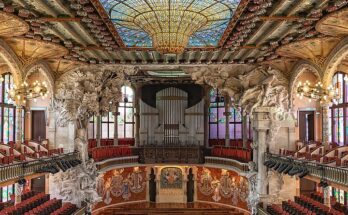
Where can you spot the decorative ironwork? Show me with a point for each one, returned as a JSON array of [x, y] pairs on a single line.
[[317, 92]]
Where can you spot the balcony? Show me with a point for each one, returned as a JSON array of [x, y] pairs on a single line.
[[331, 174], [13, 171]]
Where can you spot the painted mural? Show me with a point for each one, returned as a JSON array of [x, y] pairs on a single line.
[[171, 178], [122, 185], [223, 186]]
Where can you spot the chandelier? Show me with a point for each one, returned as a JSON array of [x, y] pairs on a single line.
[[28, 92], [317, 92], [170, 23]]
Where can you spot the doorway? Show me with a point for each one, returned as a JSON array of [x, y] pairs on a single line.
[[38, 125], [306, 125]]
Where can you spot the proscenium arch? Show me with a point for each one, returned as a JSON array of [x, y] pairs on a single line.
[[339, 53], [12, 61], [44, 69], [301, 67]]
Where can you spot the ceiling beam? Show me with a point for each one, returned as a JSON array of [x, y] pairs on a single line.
[[285, 18]]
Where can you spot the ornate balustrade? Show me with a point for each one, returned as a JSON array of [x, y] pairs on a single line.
[[226, 163], [166, 154], [13, 171], [119, 161], [332, 174]]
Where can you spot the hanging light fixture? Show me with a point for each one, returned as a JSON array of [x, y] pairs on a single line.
[[20, 94], [317, 92]]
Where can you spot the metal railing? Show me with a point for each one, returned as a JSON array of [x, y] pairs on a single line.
[[332, 174], [261, 211], [227, 162], [115, 162], [14, 171]]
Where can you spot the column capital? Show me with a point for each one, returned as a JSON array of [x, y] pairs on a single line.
[[325, 104]]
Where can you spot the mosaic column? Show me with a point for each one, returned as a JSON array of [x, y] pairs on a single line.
[[327, 200], [19, 128], [206, 117], [137, 97], [326, 124], [227, 114], [18, 193], [245, 130], [116, 114], [98, 132]]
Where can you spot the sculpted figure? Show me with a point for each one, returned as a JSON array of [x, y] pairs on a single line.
[[81, 144]]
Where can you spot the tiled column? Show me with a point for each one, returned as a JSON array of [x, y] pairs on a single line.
[[326, 124], [18, 193], [227, 114], [98, 134], [19, 130], [116, 126], [327, 200]]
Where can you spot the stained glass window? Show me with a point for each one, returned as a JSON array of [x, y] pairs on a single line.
[[8, 125], [339, 112], [126, 117], [6, 193], [127, 16], [217, 119]]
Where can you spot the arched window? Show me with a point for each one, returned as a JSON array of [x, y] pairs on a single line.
[[126, 117], [8, 111], [217, 119], [339, 111]]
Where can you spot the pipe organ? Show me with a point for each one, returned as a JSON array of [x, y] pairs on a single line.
[[171, 122]]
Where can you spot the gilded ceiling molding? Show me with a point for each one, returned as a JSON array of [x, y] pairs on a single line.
[[315, 50], [44, 69], [333, 60], [9, 56], [301, 67]]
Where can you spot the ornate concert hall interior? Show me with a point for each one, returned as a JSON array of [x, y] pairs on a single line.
[[160, 107]]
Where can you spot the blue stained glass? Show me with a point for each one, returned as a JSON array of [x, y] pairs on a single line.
[[124, 12]]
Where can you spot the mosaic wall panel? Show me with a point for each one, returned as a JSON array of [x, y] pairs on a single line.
[[171, 178]]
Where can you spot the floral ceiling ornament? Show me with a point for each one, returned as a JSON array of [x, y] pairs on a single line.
[[89, 91]]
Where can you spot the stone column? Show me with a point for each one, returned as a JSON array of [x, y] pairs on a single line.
[[327, 200], [326, 124], [19, 130], [116, 126], [245, 130], [98, 134], [227, 114], [18, 193], [261, 126]]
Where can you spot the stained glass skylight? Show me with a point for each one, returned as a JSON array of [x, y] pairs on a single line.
[[138, 20]]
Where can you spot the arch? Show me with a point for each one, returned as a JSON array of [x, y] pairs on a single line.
[[44, 69], [333, 60], [297, 71], [9, 56]]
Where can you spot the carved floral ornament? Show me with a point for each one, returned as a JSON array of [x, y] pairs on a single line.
[[261, 87], [89, 91]]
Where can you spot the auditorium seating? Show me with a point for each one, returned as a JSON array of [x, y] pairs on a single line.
[[307, 205], [233, 143], [106, 152], [92, 143], [240, 154], [66, 209], [34, 203]]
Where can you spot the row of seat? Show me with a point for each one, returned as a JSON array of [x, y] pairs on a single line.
[[26, 205], [92, 143], [27, 194], [66, 209], [233, 143], [46, 208], [240, 154], [316, 206], [106, 152]]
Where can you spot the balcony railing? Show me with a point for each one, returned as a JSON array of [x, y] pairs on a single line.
[[167, 154], [333, 174], [118, 161], [14, 171], [227, 163]]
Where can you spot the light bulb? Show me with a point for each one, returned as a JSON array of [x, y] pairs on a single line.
[[34, 100]]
